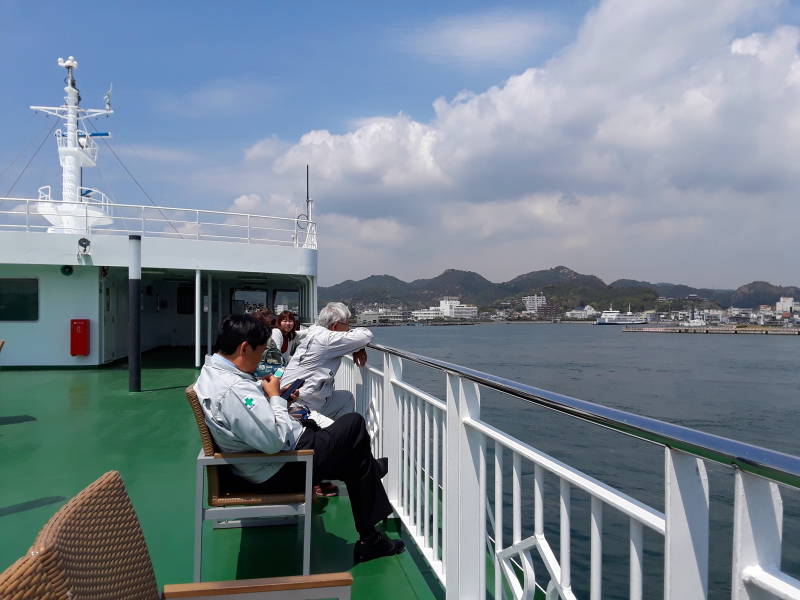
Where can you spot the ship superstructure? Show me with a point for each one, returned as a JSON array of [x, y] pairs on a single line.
[[65, 262]]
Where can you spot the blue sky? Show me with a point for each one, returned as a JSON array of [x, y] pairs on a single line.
[[616, 138]]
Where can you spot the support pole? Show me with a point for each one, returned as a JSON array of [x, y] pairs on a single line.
[[209, 332], [134, 314], [197, 311]]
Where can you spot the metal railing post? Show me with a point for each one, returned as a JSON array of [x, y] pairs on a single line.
[[465, 523], [248, 229], [686, 539], [27, 215], [391, 424], [757, 533]]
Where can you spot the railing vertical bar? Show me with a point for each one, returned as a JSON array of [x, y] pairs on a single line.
[[436, 552], [596, 586], [498, 517], [635, 560], [482, 510], [412, 464], [565, 533], [406, 459], [516, 491], [538, 500], [445, 458], [418, 479], [427, 474]]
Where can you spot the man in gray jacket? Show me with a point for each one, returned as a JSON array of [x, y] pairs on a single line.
[[246, 414], [318, 357]]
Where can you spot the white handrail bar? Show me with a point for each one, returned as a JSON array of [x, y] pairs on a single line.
[[626, 504]]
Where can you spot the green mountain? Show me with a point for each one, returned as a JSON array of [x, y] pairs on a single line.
[[753, 294], [672, 290], [563, 287]]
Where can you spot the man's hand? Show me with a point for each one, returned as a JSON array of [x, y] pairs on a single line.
[[360, 357], [271, 386]]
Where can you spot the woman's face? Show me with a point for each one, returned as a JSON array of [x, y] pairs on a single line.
[[286, 325]]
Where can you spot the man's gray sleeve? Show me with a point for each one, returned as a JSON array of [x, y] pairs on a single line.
[[260, 423]]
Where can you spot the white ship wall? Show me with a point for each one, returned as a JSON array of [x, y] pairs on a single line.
[[61, 298], [27, 247]]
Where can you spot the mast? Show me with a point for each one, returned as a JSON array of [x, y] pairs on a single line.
[[76, 148]]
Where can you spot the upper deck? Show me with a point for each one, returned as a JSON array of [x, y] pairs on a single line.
[[173, 238]]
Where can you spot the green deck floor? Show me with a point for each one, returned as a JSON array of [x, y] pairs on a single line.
[[62, 428]]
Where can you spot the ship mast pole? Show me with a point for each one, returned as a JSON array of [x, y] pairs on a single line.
[[70, 161]]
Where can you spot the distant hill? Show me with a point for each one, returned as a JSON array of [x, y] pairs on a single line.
[[760, 292], [672, 290], [563, 287]]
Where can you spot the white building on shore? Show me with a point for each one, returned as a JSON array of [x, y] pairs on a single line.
[[581, 312], [534, 303], [382, 316], [449, 307]]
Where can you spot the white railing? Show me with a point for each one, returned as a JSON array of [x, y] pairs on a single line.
[[439, 465], [22, 214], [86, 143]]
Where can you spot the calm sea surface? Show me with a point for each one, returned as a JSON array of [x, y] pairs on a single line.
[[743, 387]]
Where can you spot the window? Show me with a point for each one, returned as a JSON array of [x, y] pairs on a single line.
[[19, 299], [287, 300], [247, 300]]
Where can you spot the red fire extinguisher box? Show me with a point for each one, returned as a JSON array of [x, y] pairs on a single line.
[[79, 337]]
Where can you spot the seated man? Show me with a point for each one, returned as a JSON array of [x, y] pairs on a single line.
[[245, 414], [318, 357]]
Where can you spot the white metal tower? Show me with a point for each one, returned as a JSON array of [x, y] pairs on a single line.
[[80, 208]]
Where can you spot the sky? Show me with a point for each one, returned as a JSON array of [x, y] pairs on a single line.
[[643, 140]]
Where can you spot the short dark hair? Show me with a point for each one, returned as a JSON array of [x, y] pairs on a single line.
[[287, 314], [236, 329]]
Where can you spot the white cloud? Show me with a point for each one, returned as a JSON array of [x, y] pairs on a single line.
[[661, 143], [370, 232], [493, 38]]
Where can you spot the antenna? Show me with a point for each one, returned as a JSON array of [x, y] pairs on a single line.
[[308, 199]]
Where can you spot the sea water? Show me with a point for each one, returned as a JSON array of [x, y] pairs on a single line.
[[742, 387]]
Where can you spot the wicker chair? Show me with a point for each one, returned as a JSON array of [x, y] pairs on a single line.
[[235, 501], [93, 549]]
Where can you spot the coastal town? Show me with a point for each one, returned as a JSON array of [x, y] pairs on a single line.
[[691, 311]]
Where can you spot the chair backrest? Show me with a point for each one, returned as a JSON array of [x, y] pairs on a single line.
[[207, 441], [26, 579], [209, 447], [92, 548]]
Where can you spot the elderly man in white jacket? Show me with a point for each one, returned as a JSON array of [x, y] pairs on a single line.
[[318, 357], [246, 414]]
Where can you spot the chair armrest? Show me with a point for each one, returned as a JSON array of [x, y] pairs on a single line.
[[209, 589], [286, 453], [232, 458]]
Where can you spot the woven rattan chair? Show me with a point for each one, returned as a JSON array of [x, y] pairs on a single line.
[[93, 549], [236, 501]]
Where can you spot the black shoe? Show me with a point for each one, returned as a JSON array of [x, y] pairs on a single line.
[[383, 466], [376, 546]]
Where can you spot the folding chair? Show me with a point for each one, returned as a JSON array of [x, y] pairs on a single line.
[[236, 501]]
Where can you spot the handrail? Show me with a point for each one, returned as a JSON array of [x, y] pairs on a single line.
[[173, 208], [780, 467]]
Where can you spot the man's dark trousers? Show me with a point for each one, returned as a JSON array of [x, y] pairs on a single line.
[[341, 451]]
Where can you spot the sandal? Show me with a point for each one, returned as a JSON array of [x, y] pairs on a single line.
[[326, 490]]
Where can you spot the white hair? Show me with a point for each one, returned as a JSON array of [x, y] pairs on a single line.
[[333, 312]]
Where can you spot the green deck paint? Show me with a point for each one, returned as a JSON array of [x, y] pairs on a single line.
[[86, 423]]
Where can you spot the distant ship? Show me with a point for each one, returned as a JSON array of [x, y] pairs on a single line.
[[614, 317]]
